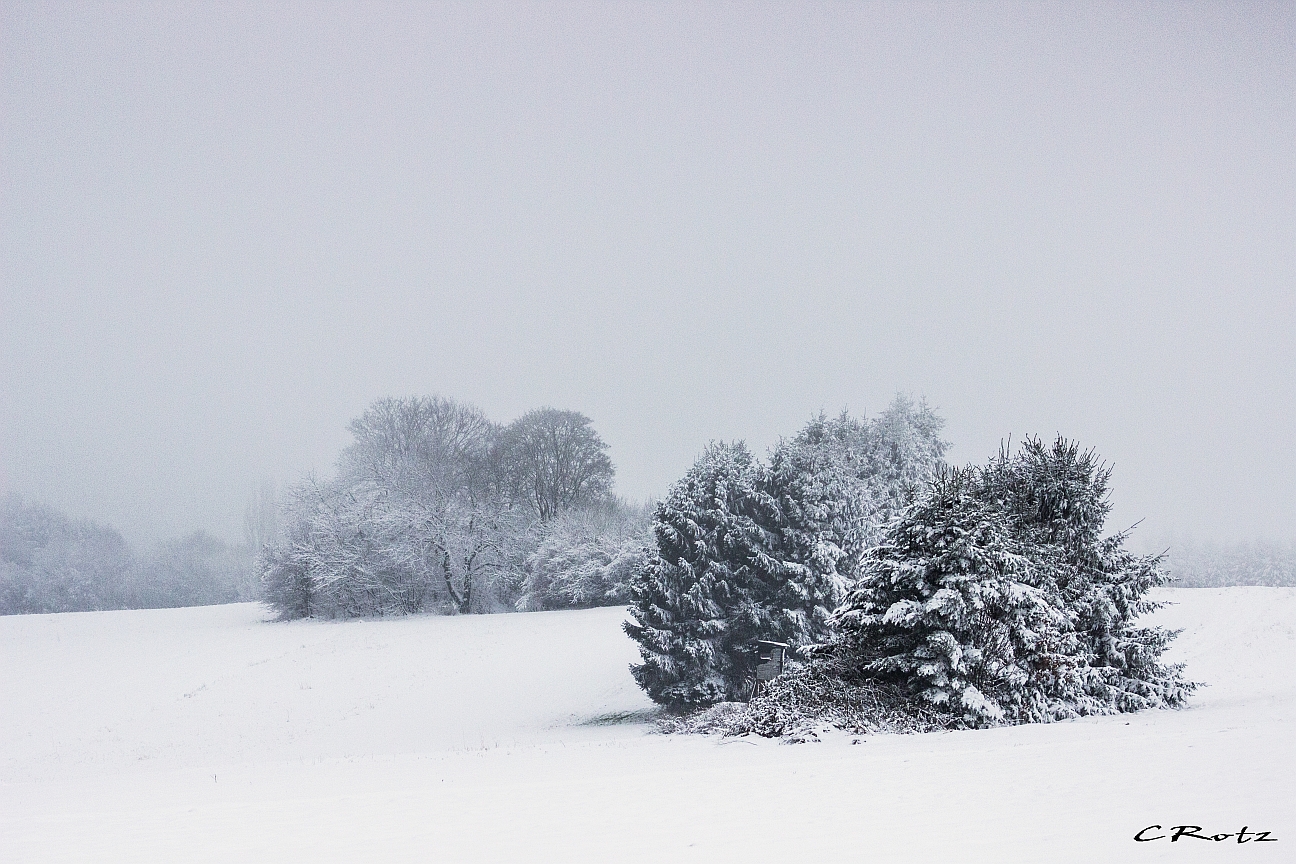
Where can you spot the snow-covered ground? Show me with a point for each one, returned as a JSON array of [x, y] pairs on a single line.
[[210, 735]]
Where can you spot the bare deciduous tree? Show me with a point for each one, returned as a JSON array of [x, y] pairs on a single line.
[[423, 447], [556, 461]]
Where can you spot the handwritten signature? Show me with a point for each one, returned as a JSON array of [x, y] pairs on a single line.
[[1148, 834]]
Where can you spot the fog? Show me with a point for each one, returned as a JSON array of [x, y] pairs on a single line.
[[227, 229]]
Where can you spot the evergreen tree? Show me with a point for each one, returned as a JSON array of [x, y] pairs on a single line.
[[952, 607], [997, 597], [821, 513], [701, 601], [1058, 497]]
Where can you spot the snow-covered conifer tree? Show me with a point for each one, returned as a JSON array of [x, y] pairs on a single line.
[[997, 596], [822, 514], [951, 606], [1058, 497], [903, 452], [701, 602]]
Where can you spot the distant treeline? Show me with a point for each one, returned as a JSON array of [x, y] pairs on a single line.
[[1209, 566], [52, 563]]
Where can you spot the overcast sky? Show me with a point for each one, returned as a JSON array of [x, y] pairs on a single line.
[[227, 228]]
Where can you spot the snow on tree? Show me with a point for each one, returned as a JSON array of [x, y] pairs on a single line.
[[951, 606], [747, 551], [904, 451], [407, 525], [287, 584], [1257, 562], [51, 563], [554, 461], [434, 507], [701, 601], [1058, 496], [833, 485], [421, 447], [368, 549], [196, 570], [819, 516], [587, 557], [996, 597]]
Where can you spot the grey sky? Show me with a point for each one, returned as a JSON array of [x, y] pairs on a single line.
[[227, 229]]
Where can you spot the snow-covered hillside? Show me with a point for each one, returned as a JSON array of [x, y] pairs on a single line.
[[210, 735]]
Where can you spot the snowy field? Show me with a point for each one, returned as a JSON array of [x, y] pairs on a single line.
[[209, 735]]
